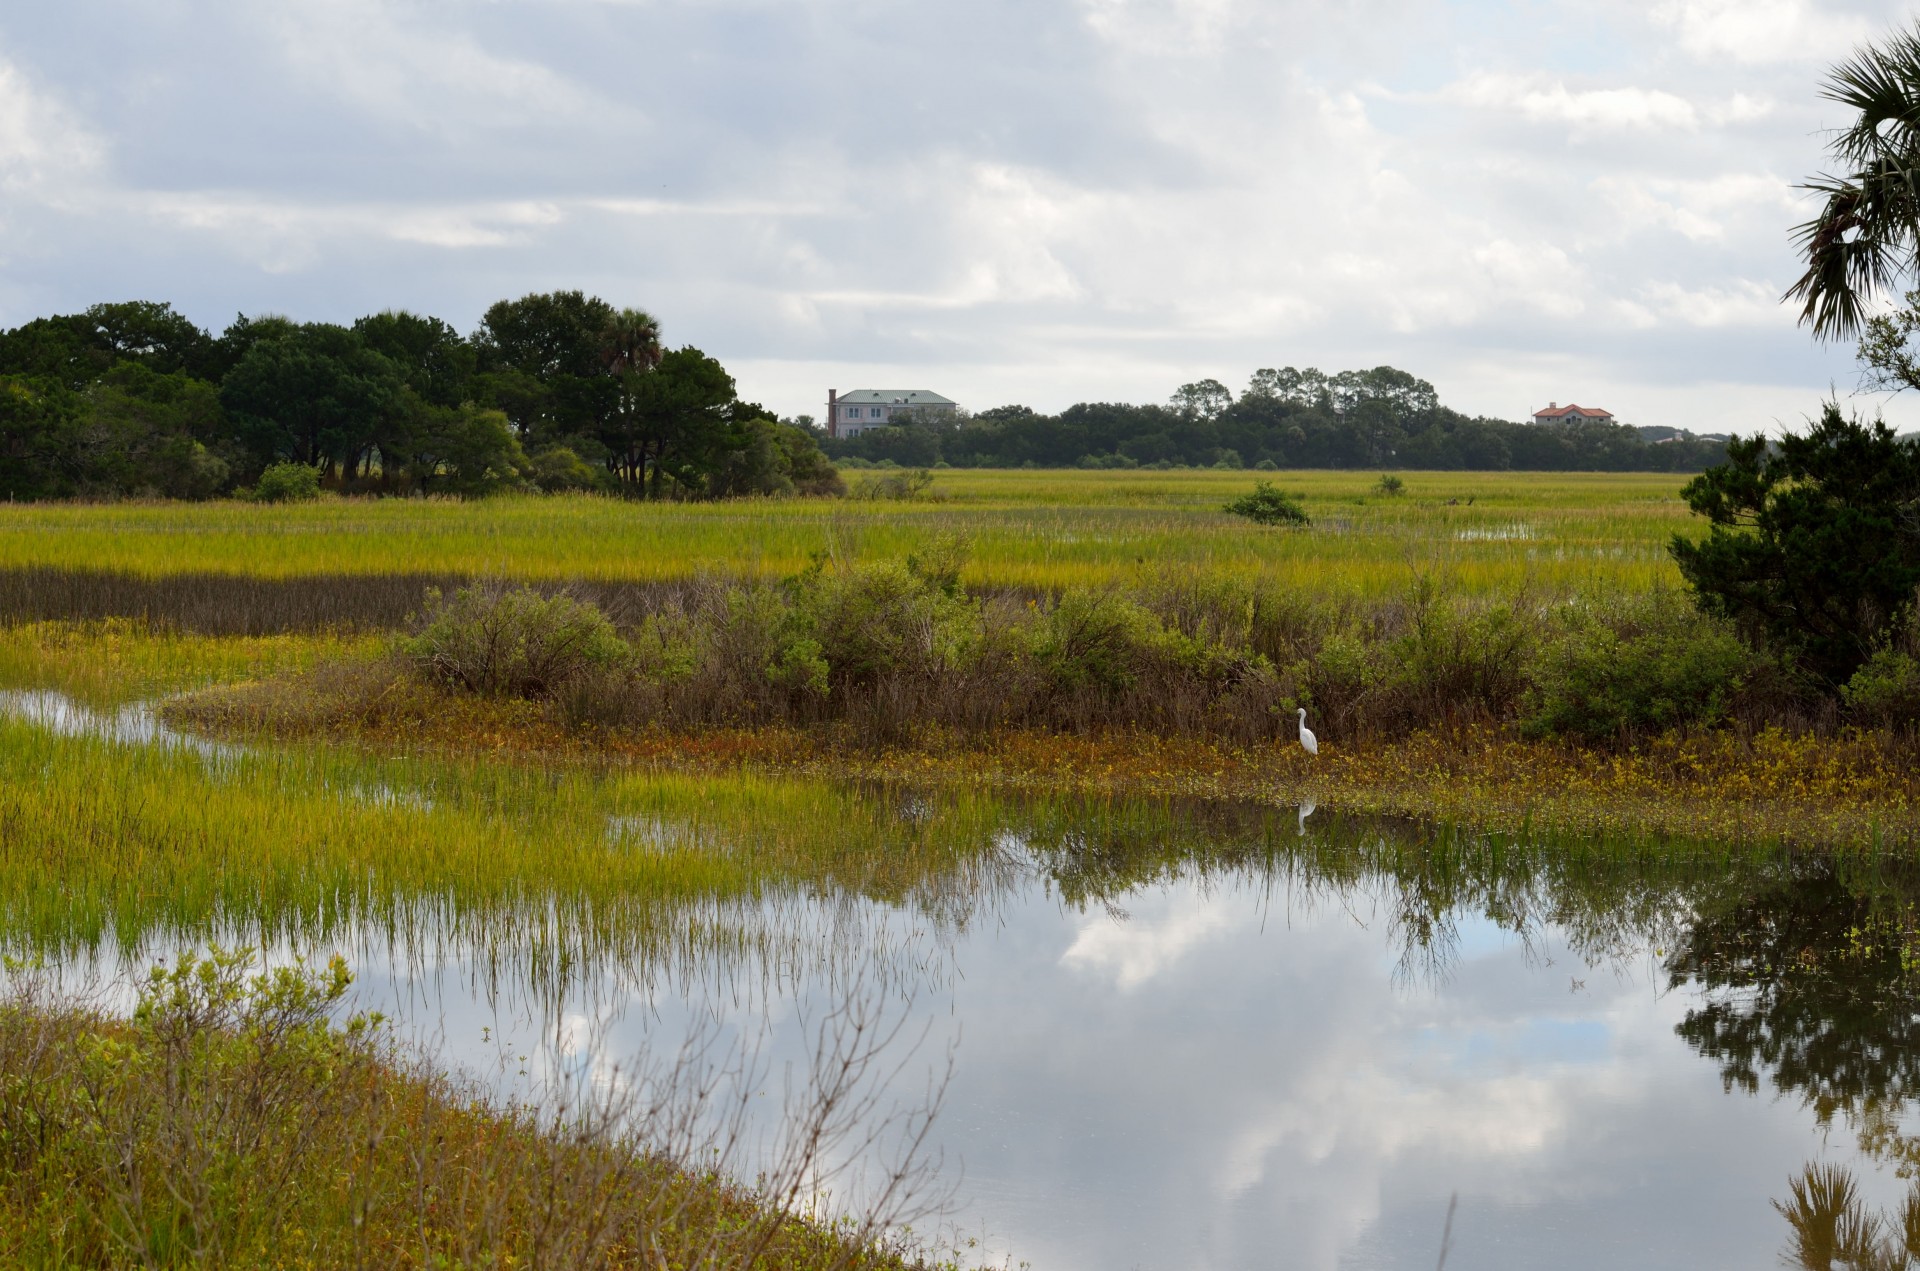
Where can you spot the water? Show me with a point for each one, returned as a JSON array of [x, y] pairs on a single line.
[[1193, 1038]]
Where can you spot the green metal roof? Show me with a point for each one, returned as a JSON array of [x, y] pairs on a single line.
[[894, 397]]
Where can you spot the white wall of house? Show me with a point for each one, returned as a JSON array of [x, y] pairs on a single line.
[[850, 419]]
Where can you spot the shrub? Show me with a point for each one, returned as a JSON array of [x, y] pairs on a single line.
[[1651, 667], [1453, 662], [511, 643], [288, 483], [558, 468], [1268, 506], [902, 483], [1886, 691], [1389, 485], [1093, 640], [886, 618], [1811, 544]]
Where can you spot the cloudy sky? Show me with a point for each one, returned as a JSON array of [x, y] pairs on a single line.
[[1041, 201]]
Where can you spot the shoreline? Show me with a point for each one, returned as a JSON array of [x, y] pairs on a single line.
[[1855, 789]]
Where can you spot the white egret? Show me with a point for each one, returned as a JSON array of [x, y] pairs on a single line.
[[1307, 739]]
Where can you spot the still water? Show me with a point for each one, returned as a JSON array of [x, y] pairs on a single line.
[[1204, 1038], [1218, 1076]]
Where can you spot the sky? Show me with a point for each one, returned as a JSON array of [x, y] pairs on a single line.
[[1033, 201]]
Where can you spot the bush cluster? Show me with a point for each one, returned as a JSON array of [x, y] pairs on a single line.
[[887, 649]]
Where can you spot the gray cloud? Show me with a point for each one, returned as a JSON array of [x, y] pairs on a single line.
[[1043, 201]]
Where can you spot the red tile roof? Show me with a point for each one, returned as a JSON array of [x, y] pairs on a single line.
[[1569, 411]]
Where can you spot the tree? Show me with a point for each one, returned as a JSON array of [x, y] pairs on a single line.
[[674, 423], [42, 443], [1309, 388], [77, 349], [155, 434], [242, 334], [1202, 399], [630, 343], [1813, 543], [152, 334], [317, 396], [556, 340], [769, 456], [60, 349], [465, 450], [436, 362], [545, 335], [1867, 233]]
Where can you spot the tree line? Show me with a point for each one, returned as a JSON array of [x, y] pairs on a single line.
[[1287, 418], [554, 391]]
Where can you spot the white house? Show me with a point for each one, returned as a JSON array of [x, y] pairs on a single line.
[[1555, 413], [850, 414]]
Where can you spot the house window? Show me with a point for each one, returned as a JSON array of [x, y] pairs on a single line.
[[876, 413]]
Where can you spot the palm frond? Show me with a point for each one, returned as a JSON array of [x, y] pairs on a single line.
[[1882, 84]]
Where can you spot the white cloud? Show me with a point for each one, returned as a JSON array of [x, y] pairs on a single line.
[[1756, 31], [281, 235], [1542, 99], [42, 147], [1159, 26], [1738, 303]]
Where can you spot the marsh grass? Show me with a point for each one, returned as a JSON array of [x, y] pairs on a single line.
[[1031, 532], [105, 841], [112, 661]]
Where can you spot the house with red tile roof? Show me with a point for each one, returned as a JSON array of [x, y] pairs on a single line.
[[1555, 413]]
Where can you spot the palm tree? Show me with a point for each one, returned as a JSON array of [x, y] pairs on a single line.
[[631, 342], [629, 349], [1868, 233]]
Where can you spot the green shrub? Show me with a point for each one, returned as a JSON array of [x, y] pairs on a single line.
[[1453, 662], [884, 619], [511, 643], [288, 483], [1886, 691], [1647, 667], [558, 468], [1093, 640], [1389, 485], [1268, 506]]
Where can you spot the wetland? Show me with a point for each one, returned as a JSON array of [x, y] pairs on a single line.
[[1046, 968]]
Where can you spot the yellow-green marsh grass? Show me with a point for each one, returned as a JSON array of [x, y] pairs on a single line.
[[137, 841], [115, 661], [1557, 533]]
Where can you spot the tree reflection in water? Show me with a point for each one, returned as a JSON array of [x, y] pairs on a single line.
[[1809, 983]]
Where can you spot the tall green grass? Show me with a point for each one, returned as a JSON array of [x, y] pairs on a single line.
[[100, 839], [1555, 533]]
